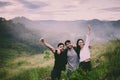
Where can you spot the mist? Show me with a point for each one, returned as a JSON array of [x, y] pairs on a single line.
[[59, 31]]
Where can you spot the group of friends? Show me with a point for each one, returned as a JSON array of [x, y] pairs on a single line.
[[70, 57]]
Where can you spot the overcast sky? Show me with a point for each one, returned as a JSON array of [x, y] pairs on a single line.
[[61, 9]]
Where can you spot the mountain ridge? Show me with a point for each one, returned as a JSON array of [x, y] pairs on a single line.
[[102, 30]]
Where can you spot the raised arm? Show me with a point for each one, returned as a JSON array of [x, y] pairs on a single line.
[[89, 30], [47, 45], [87, 41]]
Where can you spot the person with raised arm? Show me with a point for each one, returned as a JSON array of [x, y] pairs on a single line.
[[60, 59], [84, 48]]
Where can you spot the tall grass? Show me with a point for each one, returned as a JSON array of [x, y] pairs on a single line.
[[105, 66], [113, 56], [29, 65], [33, 74], [108, 67]]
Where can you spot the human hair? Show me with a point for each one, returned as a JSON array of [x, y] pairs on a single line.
[[78, 42], [78, 46], [60, 44], [67, 41]]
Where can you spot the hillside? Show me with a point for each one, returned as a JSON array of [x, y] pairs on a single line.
[[105, 62], [16, 39], [22, 57]]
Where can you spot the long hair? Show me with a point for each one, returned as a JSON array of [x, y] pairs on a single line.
[[78, 42], [77, 45]]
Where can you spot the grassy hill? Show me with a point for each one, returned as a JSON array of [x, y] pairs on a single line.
[[17, 62], [16, 39], [105, 62], [22, 65]]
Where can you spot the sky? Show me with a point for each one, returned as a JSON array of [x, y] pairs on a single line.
[[61, 9]]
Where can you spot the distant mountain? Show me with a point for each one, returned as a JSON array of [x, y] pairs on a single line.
[[21, 19], [21, 35], [57, 31]]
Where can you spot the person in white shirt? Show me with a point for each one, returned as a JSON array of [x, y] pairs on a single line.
[[84, 55]]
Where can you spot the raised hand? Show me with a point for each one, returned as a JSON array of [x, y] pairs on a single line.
[[42, 40], [47, 44], [89, 29]]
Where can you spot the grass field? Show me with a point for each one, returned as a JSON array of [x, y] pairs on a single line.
[[105, 62]]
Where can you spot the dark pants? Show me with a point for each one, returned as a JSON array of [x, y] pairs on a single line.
[[86, 66], [55, 74]]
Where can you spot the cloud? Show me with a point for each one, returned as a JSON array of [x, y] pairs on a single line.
[[61, 9], [3, 4], [70, 6], [83, 1], [114, 9], [32, 5]]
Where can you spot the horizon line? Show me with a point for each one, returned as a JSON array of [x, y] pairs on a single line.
[[59, 19]]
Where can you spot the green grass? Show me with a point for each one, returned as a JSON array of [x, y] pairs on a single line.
[[113, 56], [33, 74], [108, 64], [13, 41], [27, 65], [105, 62]]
